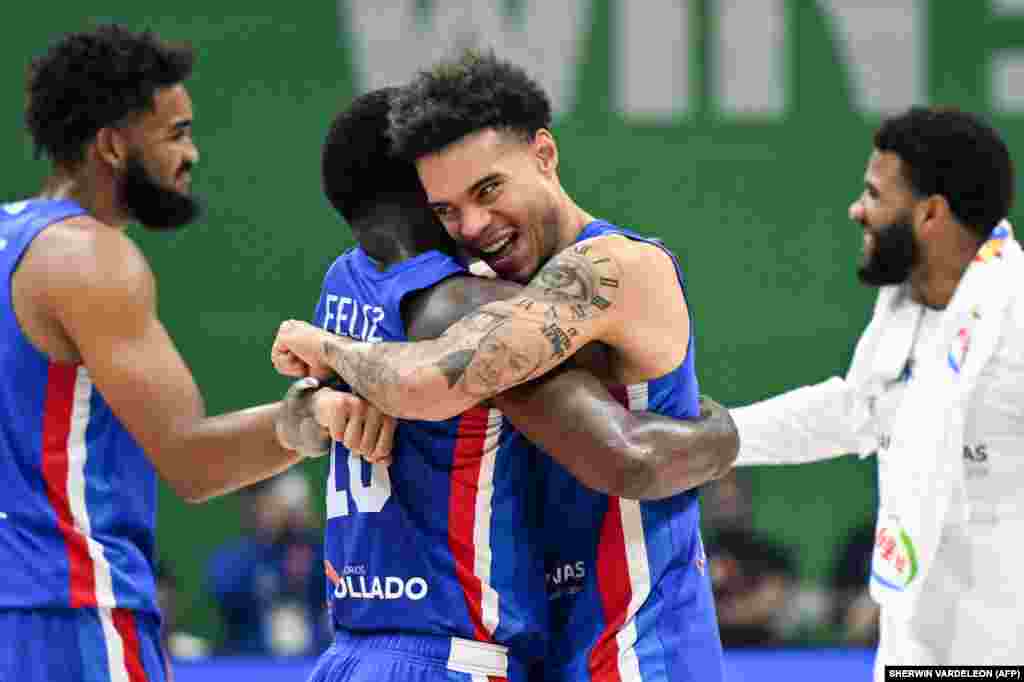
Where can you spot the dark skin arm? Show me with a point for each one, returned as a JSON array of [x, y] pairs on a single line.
[[570, 414]]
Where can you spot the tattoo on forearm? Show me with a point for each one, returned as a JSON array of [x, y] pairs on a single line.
[[503, 344], [454, 365], [507, 355], [371, 377], [573, 287], [560, 339]]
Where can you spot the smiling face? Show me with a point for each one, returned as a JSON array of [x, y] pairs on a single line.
[[497, 196], [885, 211], [155, 181]]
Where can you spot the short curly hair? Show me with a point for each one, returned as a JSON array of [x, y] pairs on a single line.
[[956, 155], [94, 79], [473, 92], [357, 166]]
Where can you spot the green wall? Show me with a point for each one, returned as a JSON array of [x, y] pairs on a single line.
[[755, 210]]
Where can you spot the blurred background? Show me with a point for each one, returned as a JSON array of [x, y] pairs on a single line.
[[736, 130]]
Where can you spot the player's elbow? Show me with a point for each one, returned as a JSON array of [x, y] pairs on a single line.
[[194, 485], [646, 473], [195, 490], [633, 473], [191, 492], [184, 475], [724, 452], [198, 497]]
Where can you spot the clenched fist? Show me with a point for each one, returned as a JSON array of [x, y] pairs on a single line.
[[298, 350]]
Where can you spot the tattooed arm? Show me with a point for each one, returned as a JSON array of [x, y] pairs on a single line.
[[636, 455], [589, 292]]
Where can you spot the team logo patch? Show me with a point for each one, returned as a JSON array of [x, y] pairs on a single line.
[[894, 561], [993, 247]]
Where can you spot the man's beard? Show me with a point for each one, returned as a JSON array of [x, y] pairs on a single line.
[[153, 205], [894, 254]]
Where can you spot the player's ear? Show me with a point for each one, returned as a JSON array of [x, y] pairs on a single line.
[[111, 148], [546, 151], [933, 212]]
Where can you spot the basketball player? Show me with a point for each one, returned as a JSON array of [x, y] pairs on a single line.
[[639, 605], [94, 398], [459, 586]]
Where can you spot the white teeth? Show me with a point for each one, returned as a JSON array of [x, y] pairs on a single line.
[[496, 246]]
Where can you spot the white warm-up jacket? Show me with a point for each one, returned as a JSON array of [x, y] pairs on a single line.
[[957, 599]]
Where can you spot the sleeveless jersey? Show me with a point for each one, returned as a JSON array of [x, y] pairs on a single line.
[[445, 541], [78, 509], [630, 594]]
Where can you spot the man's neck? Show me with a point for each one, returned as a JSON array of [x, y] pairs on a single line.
[[396, 231], [388, 249], [385, 252], [576, 221], [84, 189], [935, 287]]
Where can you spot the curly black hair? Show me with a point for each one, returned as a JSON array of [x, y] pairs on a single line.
[[357, 166], [473, 92], [379, 194], [94, 79], [957, 155]]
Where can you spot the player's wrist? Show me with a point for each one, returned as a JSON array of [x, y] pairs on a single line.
[[296, 425]]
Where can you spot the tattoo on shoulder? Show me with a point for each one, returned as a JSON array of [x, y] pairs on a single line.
[[575, 285]]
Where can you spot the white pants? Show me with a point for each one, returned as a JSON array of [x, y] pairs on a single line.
[[972, 609]]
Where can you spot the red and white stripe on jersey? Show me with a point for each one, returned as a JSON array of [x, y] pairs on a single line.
[[469, 515], [124, 653], [623, 576], [66, 413]]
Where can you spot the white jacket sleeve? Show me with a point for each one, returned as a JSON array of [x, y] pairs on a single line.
[[803, 425]]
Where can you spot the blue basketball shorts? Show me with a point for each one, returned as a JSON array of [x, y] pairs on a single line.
[[80, 645]]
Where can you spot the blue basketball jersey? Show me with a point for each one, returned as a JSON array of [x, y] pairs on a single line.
[[445, 541], [630, 594], [79, 495]]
